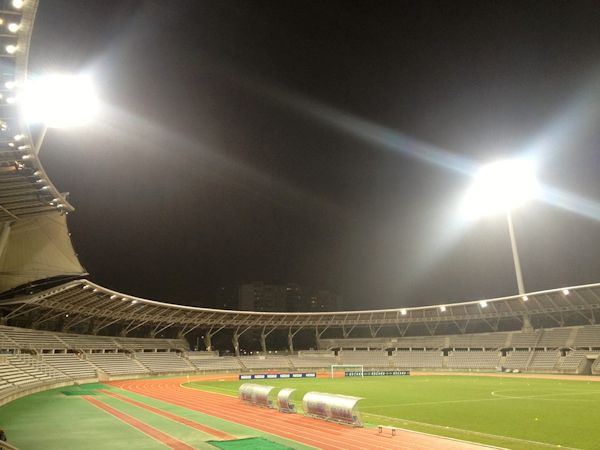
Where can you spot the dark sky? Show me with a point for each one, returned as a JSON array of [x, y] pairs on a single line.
[[213, 162]]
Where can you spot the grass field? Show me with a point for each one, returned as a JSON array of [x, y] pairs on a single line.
[[518, 413]]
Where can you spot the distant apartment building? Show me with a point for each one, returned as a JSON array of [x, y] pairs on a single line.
[[259, 296]]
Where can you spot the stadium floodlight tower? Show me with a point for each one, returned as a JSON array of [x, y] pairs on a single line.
[[498, 188], [58, 101]]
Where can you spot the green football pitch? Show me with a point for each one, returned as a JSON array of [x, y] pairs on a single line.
[[512, 412]]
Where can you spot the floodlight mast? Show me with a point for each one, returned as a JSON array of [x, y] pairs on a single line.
[[515, 253], [500, 187]]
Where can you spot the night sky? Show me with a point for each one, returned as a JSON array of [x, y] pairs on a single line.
[[282, 141]]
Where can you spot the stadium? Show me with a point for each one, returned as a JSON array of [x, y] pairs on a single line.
[[84, 366]]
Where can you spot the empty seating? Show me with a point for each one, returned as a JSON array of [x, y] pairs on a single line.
[[596, 367], [572, 361], [525, 339], [116, 363], [368, 358], [483, 340], [71, 365], [27, 339], [587, 337], [201, 355], [21, 370], [418, 360], [420, 342], [12, 338], [313, 360], [137, 344], [544, 361], [266, 362], [227, 363], [517, 360], [83, 342], [554, 337], [473, 360], [164, 362]]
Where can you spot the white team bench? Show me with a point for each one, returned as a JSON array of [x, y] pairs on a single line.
[[383, 428]]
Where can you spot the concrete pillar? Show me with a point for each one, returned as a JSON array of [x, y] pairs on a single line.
[[527, 324], [317, 339], [4, 237], [263, 342], [236, 343], [291, 342], [208, 341]]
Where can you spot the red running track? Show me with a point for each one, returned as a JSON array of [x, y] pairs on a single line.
[[305, 430]]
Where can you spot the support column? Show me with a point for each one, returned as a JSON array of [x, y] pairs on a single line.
[[290, 341], [4, 237], [208, 341], [235, 340], [527, 324], [317, 339], [263, 341]]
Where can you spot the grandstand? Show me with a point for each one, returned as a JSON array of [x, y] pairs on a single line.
[[59, 327]]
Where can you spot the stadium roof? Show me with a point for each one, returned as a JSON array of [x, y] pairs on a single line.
[[84, 301]]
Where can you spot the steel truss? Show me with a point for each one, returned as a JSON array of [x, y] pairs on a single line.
[[83, 300]]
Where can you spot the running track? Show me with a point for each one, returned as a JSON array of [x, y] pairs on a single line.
[[296, 427]]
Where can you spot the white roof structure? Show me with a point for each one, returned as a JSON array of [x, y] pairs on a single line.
[[34, 239], [84, 301]]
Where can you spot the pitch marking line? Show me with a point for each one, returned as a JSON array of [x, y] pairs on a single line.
[[476, 433], [190, 423], [539, 396], [155, 434]]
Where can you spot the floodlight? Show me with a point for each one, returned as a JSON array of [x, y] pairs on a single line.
[[403, 312], [60, 101], [565, 292], [10, 49], [502, 186], [10, 84], [18, 4], [13, 27], [442, 308], [483, 303], [525, 298]]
